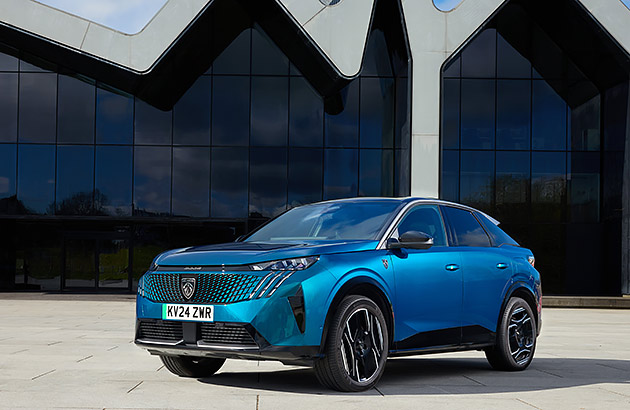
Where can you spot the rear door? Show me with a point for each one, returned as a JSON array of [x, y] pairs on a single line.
[[428, 285], [486, 274]]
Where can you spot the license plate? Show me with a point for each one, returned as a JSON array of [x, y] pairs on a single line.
[[197, 313]]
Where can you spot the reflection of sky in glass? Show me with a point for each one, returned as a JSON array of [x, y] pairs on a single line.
[[448, 5], [626, 2]]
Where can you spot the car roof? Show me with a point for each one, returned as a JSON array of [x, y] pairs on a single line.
[[408, 200]]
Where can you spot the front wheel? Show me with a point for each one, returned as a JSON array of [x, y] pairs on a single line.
[[185, 366], [356, 347], [516, 337]]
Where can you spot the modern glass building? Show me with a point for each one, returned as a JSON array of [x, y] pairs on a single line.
[[215, 118]]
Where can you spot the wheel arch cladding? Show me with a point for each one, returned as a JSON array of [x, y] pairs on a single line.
[[363, 286]]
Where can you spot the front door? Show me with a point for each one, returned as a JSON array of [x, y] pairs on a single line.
[[428, 285]]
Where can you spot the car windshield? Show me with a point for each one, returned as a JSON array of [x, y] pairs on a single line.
[[328, 221]]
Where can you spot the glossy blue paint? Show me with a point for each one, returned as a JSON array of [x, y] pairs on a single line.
[[429, 290]]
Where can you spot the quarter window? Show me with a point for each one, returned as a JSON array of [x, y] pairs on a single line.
[[465, 229], [424, 218]]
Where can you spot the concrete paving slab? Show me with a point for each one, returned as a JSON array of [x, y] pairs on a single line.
[[78, 354]]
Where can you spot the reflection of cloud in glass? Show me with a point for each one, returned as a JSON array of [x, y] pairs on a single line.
[[626, 2], [448, 5]]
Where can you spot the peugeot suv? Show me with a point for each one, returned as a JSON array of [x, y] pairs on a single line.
[[341, 286]]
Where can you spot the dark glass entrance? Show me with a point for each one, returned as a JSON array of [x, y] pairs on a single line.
[[93, 260]]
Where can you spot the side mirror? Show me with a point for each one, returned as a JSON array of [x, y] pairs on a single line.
[[411, 240]]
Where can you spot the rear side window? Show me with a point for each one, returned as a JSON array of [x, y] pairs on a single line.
[[496, 234], [465, 229]]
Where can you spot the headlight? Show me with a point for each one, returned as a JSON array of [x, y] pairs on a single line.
[[286, 264]]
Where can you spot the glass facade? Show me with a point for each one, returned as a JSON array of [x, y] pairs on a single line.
[[94, 182], [531, 139]]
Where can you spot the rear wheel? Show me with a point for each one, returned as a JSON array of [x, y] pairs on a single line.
[[356, 347], [516, 337], [185, 366]]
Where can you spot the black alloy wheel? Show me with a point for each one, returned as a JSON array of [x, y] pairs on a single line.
[[516, 337], [356, 347], [185, 366]]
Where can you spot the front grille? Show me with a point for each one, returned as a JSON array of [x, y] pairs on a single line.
[[209, 288], [161, 330], [226, 334]]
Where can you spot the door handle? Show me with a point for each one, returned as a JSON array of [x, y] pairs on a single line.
[[452, 267], [502, 265]]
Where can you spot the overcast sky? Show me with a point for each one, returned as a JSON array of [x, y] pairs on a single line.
[[128, 16]]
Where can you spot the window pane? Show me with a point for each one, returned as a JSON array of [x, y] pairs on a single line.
[[75, 180], [585, 125], [114, 118], [267, 59], [513, 114], [152, 181], [270, 107], [305, 176], [342, 130], [340, 173], [453, 68], [377, 113], [478, 58], [153, 126], [449, 189], [450, 114], [548, 186], [510, 63], [229, 182], [75, 115], [512, 186], [38, 107], [36, 178], [191, 115], [465, 228], [498, 236], [376, 61], [402, 167], [268, 182], [230, 111], [8, 154], [403, 115], [424, 218], [113, 181], [377, 173], [584, 189], [477, 179], [191, 182], [477, 114], [549, 119], [7, 61], [306, 124], [235, 58], [8, 107]]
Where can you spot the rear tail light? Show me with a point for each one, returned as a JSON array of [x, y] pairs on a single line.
[[531, 260]]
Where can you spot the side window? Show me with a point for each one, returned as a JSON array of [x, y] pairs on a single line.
[[424, 218], [496, 234], [465, 230]]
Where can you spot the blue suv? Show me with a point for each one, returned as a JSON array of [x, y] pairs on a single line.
[[341, 286]]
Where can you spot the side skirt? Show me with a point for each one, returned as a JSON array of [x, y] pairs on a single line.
[[439, 349]]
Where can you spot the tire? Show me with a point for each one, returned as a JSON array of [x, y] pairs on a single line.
[[185, 366], [516, 337], [358, 331]]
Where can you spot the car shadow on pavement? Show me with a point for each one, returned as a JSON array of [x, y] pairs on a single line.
[[424, 376]]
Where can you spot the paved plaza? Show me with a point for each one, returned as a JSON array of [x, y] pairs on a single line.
[[77, 353]]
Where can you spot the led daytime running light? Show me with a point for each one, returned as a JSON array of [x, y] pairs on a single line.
[[286, 264]]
